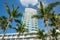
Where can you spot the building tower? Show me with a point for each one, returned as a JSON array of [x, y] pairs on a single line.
[[31, 23]]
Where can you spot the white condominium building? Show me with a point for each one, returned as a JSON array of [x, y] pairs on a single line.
[[31, 23]]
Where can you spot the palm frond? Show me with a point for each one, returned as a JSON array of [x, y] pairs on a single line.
[[3, 22], [17, 21], [51, 6], [58, 16], [13, 7], [10, 26], [16, 10], [7, 8], [41, 34], [54, 33], [21, 28], [41, 9], [18, 15], [37, 16], [54, 20], [15, 13]]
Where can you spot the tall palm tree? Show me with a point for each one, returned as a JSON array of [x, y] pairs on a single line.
[[3, 24], [41, 34], [13, 14], [54, 33], [21, 29], [44, 13], [54, 20]]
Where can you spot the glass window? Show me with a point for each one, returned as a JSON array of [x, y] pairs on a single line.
[[8, 39], [35, 24], [13, 39], [20, 39], [32, 30], [0, 35]]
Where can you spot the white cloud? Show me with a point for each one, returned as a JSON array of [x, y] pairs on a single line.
[[28, 2]]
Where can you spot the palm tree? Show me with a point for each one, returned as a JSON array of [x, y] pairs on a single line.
[[54, 33], [54, 20], [41, 34], [44, 12], [3, 24], [21, 29], [13, 14]]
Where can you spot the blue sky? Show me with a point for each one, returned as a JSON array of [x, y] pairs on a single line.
[[24, 4]]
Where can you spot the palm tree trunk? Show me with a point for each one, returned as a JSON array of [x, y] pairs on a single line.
[[5, 32], [56, 38], [53, 38], [18, 37], [42, 38], [48, 29]]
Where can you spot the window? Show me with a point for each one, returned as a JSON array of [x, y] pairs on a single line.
[[27, 24], [8, 39], [36, 27], [0, 35], [32, 30], [9, 35], [35, 24], [33, 27], [13, 39]]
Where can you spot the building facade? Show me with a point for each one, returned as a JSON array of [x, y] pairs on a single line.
[[13, 36], [31, 23]]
